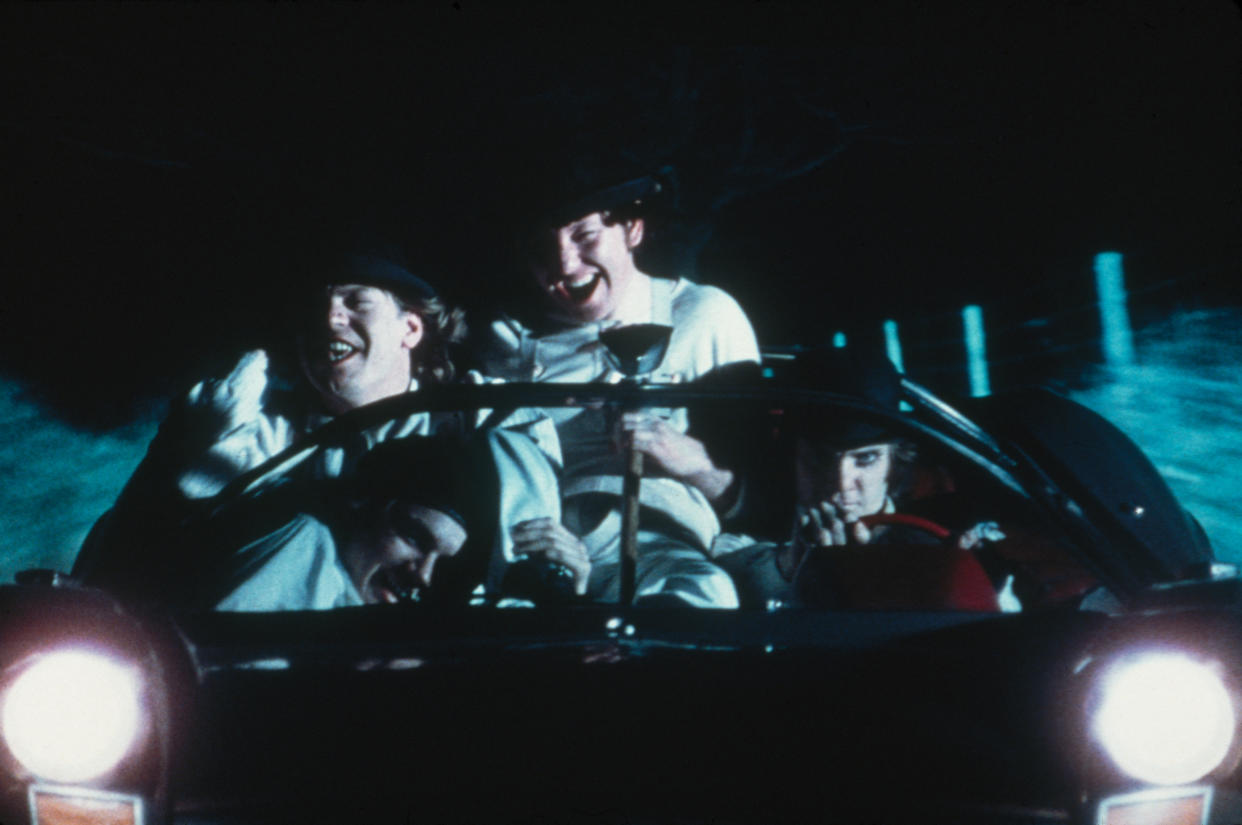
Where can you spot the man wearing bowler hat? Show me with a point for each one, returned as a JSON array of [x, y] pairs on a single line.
[[845, 468], [364, 327], [579, 245]]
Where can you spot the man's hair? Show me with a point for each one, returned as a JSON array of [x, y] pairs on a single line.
[[444, 328], [430, 470]]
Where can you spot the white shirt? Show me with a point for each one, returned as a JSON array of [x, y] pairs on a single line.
[[293, 568], [709, 331]]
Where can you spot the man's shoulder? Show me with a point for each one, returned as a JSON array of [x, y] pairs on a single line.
[[294, 567], [309, 527], [302, 536], [708, 313], [690, 296]]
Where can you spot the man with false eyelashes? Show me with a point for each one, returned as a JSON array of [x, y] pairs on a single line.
[[845, 468], [841, 479], [364, 328], [396, 530], [580, 250]]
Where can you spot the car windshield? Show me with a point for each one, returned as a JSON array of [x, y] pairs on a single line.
[[756, 499]]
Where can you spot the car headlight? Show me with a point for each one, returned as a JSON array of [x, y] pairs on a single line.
[[72, 714], [1164, 718]]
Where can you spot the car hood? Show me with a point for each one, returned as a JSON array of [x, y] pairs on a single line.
[[650, 715], [1093, 474]]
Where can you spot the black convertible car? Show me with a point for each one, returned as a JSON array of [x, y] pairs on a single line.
[[1080, 662]]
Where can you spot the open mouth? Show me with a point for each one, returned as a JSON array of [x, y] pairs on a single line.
[[393, 585], [339, 351], [581, 291]]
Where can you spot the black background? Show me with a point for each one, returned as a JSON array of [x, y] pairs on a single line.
[[839, 164]]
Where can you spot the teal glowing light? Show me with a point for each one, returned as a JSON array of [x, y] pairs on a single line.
[[893, 344], [838, 340], [1117, 340], [976, 350]]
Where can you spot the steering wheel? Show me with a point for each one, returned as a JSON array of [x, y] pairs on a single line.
[[906, 520], [903, 575]]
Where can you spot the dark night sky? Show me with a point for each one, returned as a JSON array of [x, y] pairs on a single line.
[[838, 166]]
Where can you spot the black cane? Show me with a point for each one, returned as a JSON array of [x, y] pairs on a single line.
[[636, 351]]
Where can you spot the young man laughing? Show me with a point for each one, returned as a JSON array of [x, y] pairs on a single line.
[[365, 328], [410, 523], [581, 255]]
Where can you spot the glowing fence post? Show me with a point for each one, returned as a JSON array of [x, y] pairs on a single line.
[[976, 351], [893, 343], [838, 340], [1110, 285]]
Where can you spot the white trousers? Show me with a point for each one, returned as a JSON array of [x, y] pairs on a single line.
[[670, 563]]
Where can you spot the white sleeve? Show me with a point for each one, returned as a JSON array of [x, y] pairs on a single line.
[[734, 338], [528, 490], [225, 428], [294, 568], [220, 406], [714, 321]]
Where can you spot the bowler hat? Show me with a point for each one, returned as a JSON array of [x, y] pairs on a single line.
[[564, 183], [433, 471], [860, 373], [379, 271], [574, 197]]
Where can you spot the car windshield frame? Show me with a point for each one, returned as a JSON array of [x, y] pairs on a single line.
[[923, 416]]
